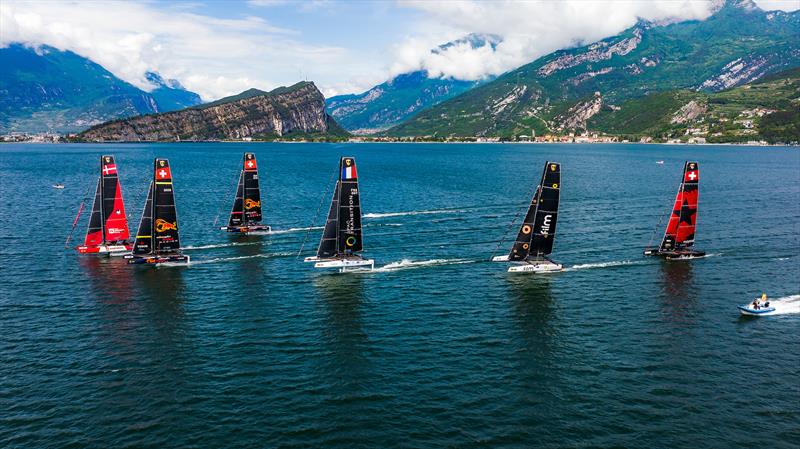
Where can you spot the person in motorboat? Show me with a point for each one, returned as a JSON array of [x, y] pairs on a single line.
[[756, 304], [764, 300]]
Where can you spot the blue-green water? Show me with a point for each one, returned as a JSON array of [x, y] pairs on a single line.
[[250, 347]]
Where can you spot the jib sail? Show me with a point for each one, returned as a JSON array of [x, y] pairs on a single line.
[[342, 234], [107, 222], [94, 234], [537, 233], [683, 220], [247, 203], [144, 235]]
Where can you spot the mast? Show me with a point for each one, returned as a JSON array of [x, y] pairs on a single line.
[[682, 223], [165, 216], [537, 233], [114, 219]]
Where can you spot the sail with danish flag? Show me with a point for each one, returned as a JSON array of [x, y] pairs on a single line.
[[108, 223], [246, 211], [158, 238], [679, 234]]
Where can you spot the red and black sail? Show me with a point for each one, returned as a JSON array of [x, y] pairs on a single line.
[[158, 229], [108, 222], [342, 235], [537, 233], [247, 202], [683, 220]]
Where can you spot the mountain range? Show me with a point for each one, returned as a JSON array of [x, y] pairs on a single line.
[[564, 91], [43, 89], [394, 101]]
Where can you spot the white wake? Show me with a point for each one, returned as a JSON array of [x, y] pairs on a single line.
[[290, 230], [414, 212], [785, 305], [616, 263], [226, 259], [406, 264], [220, 245]]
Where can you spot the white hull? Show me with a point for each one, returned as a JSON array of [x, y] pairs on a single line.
[[539, 266], [108, 250], [344, 265]]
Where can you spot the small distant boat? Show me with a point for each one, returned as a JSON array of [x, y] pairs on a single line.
[[158, 240], [538, 232], [660, 162], [747, 309], [679, 235], [108, 224], [341, 243], [246, 211], [759, 306], [58, 186]]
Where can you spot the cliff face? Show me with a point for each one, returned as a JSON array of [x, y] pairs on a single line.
[[299, 109]]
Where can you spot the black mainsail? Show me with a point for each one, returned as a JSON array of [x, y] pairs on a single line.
[[246, 210], [342, 235], [538, 231], [158, 239]]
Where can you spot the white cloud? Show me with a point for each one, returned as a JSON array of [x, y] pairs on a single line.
[[213, 57], [530, 29]]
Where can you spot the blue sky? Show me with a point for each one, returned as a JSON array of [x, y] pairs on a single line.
[[218, 48]]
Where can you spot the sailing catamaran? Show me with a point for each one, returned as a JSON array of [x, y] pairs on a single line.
[[108, 225], [538, 231], [341, 242], [246, 211], [157, 240], [679, 235]]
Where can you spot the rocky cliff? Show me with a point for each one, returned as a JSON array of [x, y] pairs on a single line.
[[284, 112]]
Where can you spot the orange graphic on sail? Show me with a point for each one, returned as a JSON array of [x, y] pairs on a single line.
[[164, 225], [249, 204]]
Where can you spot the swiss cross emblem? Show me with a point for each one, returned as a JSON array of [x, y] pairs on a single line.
[[692, 176], [250, 164]]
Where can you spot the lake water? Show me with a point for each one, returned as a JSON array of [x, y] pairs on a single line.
[[250, 347]]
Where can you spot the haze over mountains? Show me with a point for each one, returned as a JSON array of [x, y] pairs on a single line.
[[394, 101], [47, 90]]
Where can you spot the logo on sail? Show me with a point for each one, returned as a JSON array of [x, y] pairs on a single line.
[[164, 225], [546, 224], [350, 241], [249, 204]]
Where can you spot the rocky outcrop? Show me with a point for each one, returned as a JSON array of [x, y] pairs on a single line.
[[577, 116], [251, 114], [738, 71], [596, 52], [689, 112]]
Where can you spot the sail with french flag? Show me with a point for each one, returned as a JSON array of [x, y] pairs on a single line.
[[349, 169]]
